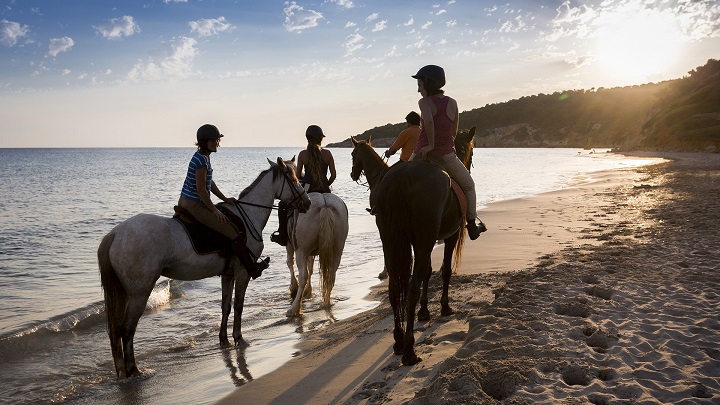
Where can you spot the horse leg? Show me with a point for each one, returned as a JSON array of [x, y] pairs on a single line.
[[424, 312], [394, 292], [227, 287], [241, 282], [291, 265], [421, 268], [446, 271], [135, 309], [301, 259], [307, 292]]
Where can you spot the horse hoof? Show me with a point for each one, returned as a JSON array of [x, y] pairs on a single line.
[[447, 311], [423, 315], [409, 360], [224, 342]]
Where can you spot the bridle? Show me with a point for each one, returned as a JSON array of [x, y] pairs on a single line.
[[297, 196], [380, 173]]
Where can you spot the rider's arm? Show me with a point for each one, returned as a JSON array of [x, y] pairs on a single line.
[[331, 164], [201, 184], [215, 190], [428, 121], [456, 119]]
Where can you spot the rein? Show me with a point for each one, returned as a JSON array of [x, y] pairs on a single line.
[[246, 218]]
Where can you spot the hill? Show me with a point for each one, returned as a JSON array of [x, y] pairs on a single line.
[[680, 114]]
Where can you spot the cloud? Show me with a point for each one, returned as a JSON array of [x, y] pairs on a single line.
[[451, 23], [695, 19], [409, 22], [579, 61], [426, 25], [175, 1], [298, 19], [10, 32], [372, 17], [209, 27], [342, 3], [116, 28], [60, 45], [441, 12], [178, 64], [350, 24], [353, 43], [379, 26]]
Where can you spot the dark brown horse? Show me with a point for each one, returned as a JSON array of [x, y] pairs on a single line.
[[414, 206]]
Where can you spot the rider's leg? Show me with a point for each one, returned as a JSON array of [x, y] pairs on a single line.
[[459, 172], [281, 235]]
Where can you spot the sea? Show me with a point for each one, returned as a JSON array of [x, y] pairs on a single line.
[[57, 204]]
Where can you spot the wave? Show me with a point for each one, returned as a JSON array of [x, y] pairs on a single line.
[[92, 314]]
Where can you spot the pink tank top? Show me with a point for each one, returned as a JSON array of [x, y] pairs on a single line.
[[444, 141]]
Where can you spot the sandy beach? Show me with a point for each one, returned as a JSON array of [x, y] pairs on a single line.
[[603, 293]]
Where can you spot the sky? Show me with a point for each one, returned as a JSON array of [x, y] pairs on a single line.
[[101, 73]]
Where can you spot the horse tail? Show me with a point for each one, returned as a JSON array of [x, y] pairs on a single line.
[[457, 255], [326, 252], [115, 301]]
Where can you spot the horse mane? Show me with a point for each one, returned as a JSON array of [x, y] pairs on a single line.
[[464, 144], [276, 172]]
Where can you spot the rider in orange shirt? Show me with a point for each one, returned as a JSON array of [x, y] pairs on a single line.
[[407, 139]]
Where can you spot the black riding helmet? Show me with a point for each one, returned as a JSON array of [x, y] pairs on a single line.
[[208, 131], [314, 133], [433, 72]]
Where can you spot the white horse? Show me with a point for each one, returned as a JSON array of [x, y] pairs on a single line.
[[321, 231], [139, 250]]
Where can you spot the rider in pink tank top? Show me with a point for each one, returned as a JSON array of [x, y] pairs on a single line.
[[444, 142]]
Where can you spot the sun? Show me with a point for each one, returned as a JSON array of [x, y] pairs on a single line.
[[637, 44]]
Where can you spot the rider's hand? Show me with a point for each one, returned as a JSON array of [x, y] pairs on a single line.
[[387, 153], [220, 216], [424, 151]]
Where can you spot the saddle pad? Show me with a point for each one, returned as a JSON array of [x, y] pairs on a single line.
[[204, 239], [462, 200]]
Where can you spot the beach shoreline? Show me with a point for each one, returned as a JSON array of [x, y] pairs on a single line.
[[570, 294]]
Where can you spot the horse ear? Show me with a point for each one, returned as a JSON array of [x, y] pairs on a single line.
[[369, 138], [280, 162], [354, 141], [272, 164], [293, 159], [472, 132]]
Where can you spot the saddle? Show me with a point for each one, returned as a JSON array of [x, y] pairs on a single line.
[[206, 240]]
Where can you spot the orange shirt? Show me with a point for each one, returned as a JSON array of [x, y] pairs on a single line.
[[406, 140]]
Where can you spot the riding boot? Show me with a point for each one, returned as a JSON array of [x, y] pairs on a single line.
[[281, 235], [474, 230], [253, 268]]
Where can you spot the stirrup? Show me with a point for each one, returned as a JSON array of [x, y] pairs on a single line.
[[279, 238], [259, 267]]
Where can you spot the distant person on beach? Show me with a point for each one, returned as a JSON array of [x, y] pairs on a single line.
[[407, 139], [313, 165], [440, 117], [195, 198]]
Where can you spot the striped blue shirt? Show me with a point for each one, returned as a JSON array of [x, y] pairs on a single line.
[[189, 189]]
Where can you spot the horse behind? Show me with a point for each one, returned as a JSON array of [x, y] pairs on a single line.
[[321, 232], [139, 250], [414, 206]]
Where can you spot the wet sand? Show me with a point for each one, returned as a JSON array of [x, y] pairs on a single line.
[[603, 293]]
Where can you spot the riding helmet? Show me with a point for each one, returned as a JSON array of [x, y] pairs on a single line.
[[208, 131], [433, 72], [314, 133]]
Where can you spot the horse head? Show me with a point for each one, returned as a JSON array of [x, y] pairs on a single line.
[[361, 149], [464, 144], [284, 175]]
